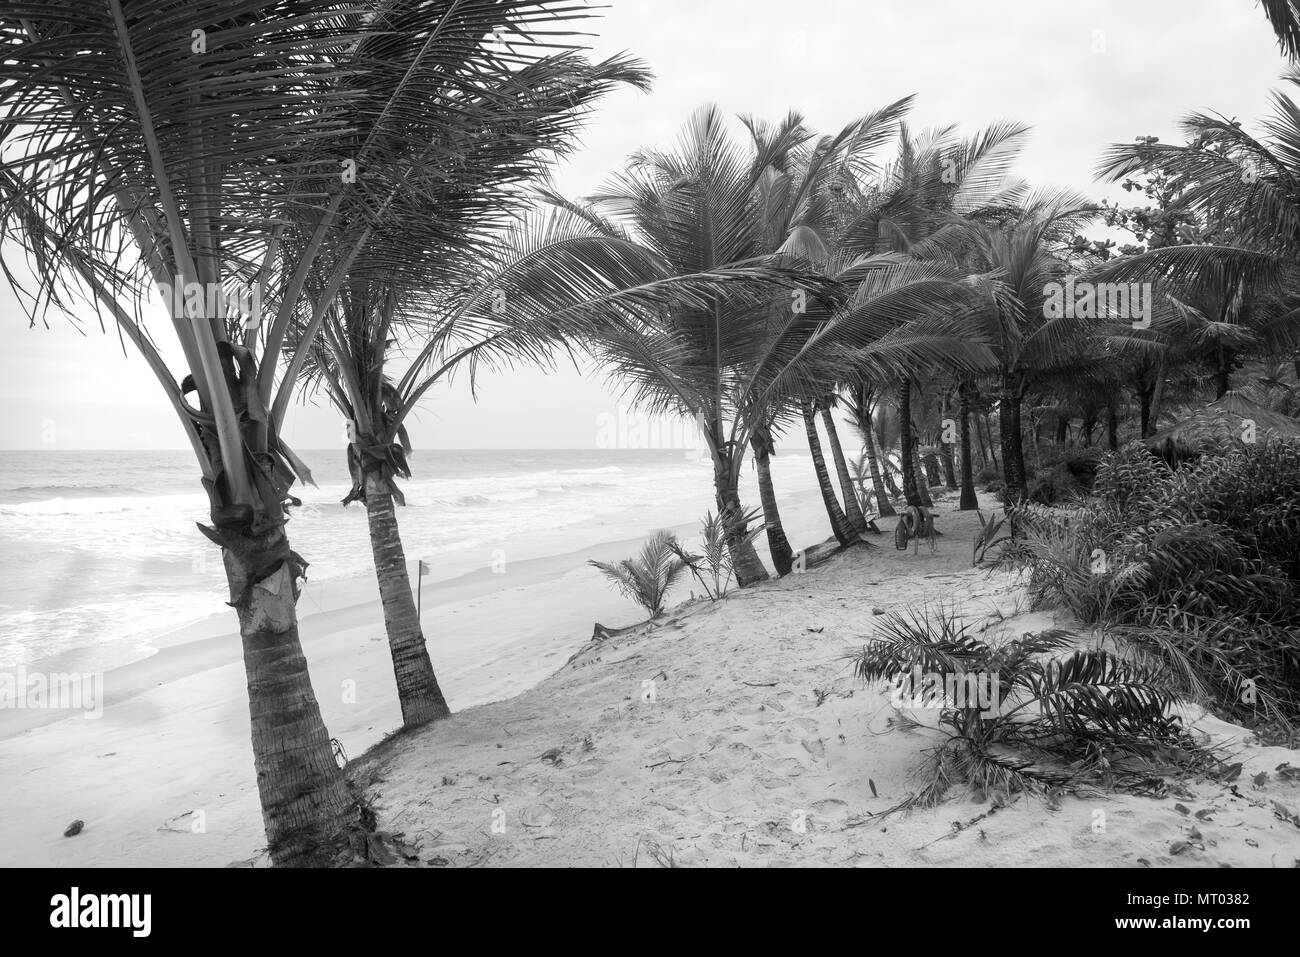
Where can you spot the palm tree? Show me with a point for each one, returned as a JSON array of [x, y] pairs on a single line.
[[535, 267], [496, 300], [1023, 251], [1284, 18], [648, 577], [702, 356], [259, 143], [852, 509], [916, 207], [841, 527], [969, 501], [864, 398], [762, 444], [799, 207]]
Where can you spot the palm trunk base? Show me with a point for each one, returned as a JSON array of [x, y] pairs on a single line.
[[418, 691], [304, 794]]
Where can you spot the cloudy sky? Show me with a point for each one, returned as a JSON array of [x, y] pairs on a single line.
[[1083, 73]]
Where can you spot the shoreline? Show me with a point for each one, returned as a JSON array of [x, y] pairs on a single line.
[[175, 724]]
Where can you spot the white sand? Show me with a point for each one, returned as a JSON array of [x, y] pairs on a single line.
[[174, 735], [735, 750], [713, 771]]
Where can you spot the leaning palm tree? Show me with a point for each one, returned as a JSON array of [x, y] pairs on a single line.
[[841, 527], [798, 204], [915, 207], [501, 300], [863, 404], [693, 207], [1024, 252], [220, 166], [534, 267]]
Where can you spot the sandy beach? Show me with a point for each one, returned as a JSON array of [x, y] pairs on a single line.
[[758, 748], [173, 738]]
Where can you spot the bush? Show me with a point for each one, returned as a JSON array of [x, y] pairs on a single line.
[[716, 557], [1197, 567], [1063, 723], [647, 577], [1081, 463], [1054, 486]]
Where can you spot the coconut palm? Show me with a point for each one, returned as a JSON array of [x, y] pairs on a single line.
[[214, 153], [864, 402], [496, 301], [693, 207], [799, 206], [916, 207], [841, 527], [1023, 250], [1284, 18], [533, 268]]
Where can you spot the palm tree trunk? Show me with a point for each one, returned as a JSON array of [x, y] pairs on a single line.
[[908, 464], [1012, 452], [887, 467], [746, 564], [839, 521], [949, 466], [945, 449], [988, 441], [1157, 398], [778, 545], [923, 481], [1144, 415], [305, 801], [884, 507], [417, 686], [1223, 376], [969, 501], [852, 508], [1112, 428]]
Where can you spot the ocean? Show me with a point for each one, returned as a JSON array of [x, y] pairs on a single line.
[[99, 553]]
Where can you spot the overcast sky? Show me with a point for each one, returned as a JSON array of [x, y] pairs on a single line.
[[1083, 73]]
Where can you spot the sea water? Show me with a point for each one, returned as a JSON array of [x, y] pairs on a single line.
[[99, 553]]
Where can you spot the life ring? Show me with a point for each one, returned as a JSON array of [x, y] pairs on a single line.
[[914, 522]]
